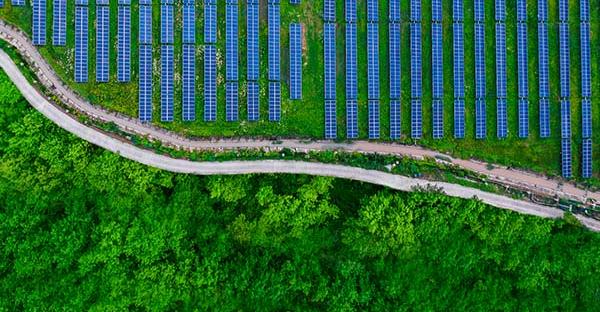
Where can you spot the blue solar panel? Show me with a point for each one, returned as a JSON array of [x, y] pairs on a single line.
[[124, 44], [18, 2], [81, 44], [542, 10], [480, 119], [500, 10], [565, 119], [544, 108], [351, 62], [143, 2], [213, 2], [59, 22], [102, 43], [586, 88], [166, 24], [584, 10], [329, 11], [586, 158], [189, 24], [351, 10], [415, 10], [394, 15], [437, 61], [438, 119], [253, 43], [274, 42], [351, 119], [39, 22], [544, 90], [124, 2], [480, 83], [459, 60], [330, 61], [210, 23], [523, 118], [372, 10], [501, 60], [188, 75], [373, 61], [145, 83], [395, 63], [295, 1], [416, 119], [564, 60], [210, 83], [1, 3], [253, 101], [231, 42], [330, 120], [166, 83], [436, 10], [457, 10], [415, 61], [479, 10], [501, 122], [521, 10], [565, 147], [586, 118], [231, 101], [459, 118], [395, 119], [563, 10], [522, 60], [274, 101], [145, 33], [102, 2], [295, 61], [373, 119]]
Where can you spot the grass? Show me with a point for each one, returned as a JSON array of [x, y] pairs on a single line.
[[305, 118]]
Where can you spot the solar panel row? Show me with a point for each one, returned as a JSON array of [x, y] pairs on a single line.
[[188, 74], [521, 10], [563, 10], [231, 43], [437, 61], [564, 60], [189, 23], [295, 1], [145, 83], [586, 88], [395, 62], [544, 108], [522, 60], [438, 118], [330, 120], [459, 118], [436, 11], [501, 116], [145, 24], [479, 11], [373, 11], [210, 21], [395, 119], [166, 83], [501, 60], [59, 22], [565, 119], [394, 16], [274, 101], [39, 22], [415, 10], [415, 61], [458, 68], [373, 119], [329, 11], [584, 10], [124, 2], [231, 101], [586, 118], [20, 2], [81, 44], [480, 83], [274, 42], [1, 3], [586, 91], [330, 61], [457, 11], [350, 8], [102, 42], [480, 119], [253, 42], [351, 119], [416, 121], [166, 24], [295, 61], [124, 44], [210, 83], [565, 147], [373, 61], [523, 118], [586, 158], [253, 101], [542, 10], [500, 10], [544, 90], [351, 62]]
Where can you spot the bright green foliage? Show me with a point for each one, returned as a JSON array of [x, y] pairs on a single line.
[[84, 229]]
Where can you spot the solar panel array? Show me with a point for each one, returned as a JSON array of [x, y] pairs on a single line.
[[480, 83], [458, 49], [415, 69], [437, 69], [295, 61], [210, 21], [19, 2], [274, 19], [145, 62], [373, 67], [167, 60], [586, 90], [81, 43], [330, 72], [329, 11], [253, 98], [501, 111], [565, 85], [295, 1], [1, 3], [395, 76], [522, 68], [373, 119], [231, 61], [102, 42], [372, 11], [124, 43], [188, 61], [39, 22], [351, 72], [543, 69], [210, 60]]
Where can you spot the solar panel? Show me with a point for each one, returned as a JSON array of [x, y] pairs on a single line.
[[101, 2], [544, 108], [564, 60], [253, 101], [436, 11], [586, 88], [500, 10], [565, 147], [480, 119], [330, 61], [166, 83], [188, 75], [416, 119], [501, 123], [145, 16], [542, 10], [563, 10], [351, 119], [415, 10], [373, 119], [523, 118], [1, 3], [584, 10], [39, 22], [457, 10], [544, 90], [480, 61], [350, 8], [415, 61], [295, 61], [295, 1], [522, 60], [459, 60], [214, 2], [274, 101], [210, 23], [373, 61], [479, 10], [565, 119], [459, 118], [438, 119], [124, 2], [102, 43], [330, 120], [586, 118], [124, 44], [372, 11], [437, 61], [329, 11], [59, 22], [81, 44], [253, 43], [143, 2], [501, 60], [210, 83], [145, 83], [521, 10], [189, 24], [395, 119], [166, 24], [274, 42], [351, 62], [231, 101], [394, 15], [395, 62], [231, 42], [18, 2], [586, 158]]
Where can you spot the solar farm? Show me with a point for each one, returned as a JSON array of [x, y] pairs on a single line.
[[510, 82]]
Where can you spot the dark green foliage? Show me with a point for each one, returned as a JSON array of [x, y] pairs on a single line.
[[83, 229]]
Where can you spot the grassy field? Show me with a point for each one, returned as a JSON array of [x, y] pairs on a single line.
[[305, 118]]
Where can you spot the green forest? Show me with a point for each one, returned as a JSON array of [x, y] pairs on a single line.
[[84, 229]]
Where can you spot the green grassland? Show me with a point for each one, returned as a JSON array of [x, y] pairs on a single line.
[[305, 118]]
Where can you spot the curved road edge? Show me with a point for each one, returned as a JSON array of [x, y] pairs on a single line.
[[65, 121]]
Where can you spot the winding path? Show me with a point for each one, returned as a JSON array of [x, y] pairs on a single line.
[[47, 77]]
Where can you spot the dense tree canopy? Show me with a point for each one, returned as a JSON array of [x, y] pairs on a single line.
[[82, 228]]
